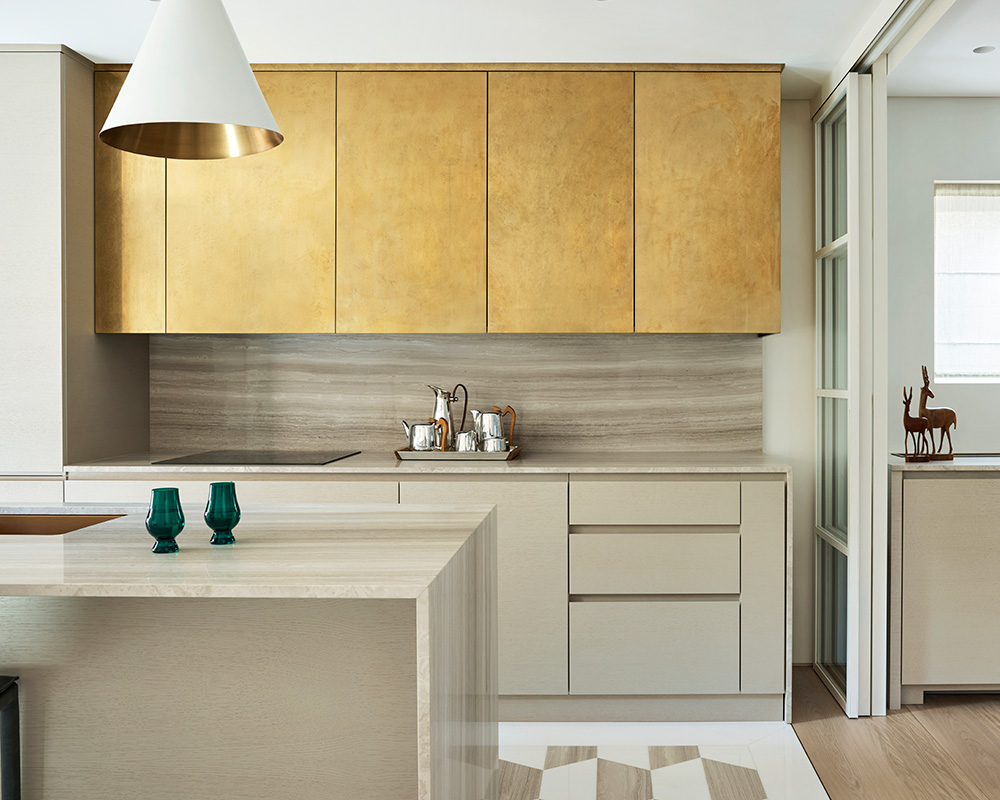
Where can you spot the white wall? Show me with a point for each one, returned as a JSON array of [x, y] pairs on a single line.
[[933, 138], [789, 359]]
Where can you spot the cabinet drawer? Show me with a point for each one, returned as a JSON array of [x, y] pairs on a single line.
[[671, 647], [654, 563], [654, 502]]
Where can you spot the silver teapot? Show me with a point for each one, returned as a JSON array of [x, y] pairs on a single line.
[[442, 410], [489, 424]]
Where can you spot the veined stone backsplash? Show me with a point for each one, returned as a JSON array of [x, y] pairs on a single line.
[[573, 392]]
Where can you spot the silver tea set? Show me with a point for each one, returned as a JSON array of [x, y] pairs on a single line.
[[440, 433]]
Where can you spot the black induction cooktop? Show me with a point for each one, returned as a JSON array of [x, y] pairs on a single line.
[[274, 457]]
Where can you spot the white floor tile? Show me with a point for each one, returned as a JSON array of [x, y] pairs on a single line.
[[738, 754], [685, 781], [528, 755], [785, 769], [570, 782], [636, 755]]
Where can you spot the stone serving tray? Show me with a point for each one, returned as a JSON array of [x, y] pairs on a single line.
[[406, 454]]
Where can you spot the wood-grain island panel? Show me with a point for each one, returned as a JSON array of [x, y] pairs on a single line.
[[560, 202], [411, 202], [251, 241], [707, 203], [129, 229]]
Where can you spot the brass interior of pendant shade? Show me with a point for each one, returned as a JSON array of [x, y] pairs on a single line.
[[191, 139]]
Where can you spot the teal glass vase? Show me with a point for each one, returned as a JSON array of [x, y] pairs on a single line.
[[222, 512], [165, 519]]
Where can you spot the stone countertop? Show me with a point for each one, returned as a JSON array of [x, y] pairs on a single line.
[[972, 463], [354, 551], [387, 463]]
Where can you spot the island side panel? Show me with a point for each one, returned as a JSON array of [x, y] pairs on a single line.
[[225, 698], [459, 710]]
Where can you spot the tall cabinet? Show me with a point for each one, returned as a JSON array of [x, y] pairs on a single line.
[[67, 394]]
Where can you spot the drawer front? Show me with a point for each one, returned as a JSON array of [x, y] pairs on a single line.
[[195, 492], [654, 563], [672, 647], [654, 502]]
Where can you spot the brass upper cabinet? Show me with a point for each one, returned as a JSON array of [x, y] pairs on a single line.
[[128, 229], [560, 201], [411, 202], [707, 202], [251, 241]]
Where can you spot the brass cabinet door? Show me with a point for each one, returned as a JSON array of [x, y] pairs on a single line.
[[411, 202], [129, 204], [251, 241], [707, 202], [560, 202]]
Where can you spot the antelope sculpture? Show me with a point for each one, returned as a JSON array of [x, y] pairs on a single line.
[[937, 418], [914, 426]]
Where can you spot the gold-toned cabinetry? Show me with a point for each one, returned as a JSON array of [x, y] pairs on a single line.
[[250, 241], [129, 231], [411, 202], [707, 202], [560, 202], [456, 201]]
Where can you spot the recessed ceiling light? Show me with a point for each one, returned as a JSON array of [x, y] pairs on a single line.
[[986, 48]]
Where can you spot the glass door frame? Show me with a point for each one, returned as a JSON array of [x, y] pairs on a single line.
[[855, 91]]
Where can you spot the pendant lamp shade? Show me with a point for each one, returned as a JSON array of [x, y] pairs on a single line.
[[191, 92]]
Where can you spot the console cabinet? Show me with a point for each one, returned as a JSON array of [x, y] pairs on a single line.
[[945, 558]]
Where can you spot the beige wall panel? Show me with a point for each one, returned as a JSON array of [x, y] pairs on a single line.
[[764, 583], [560, 202], [222, 698], [195, 492], [251, 241], [951, 559], [707, 202], [31, 274], [654, 563], [411, 202], [532, 573], [653, 502], [130, 228], [669, 647]]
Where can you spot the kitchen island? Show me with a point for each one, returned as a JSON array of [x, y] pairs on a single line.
[[334, 652]]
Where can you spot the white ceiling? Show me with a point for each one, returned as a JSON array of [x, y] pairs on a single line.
[[807, 35], [943, 64]]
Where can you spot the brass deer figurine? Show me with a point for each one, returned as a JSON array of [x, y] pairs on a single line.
[[914, 426], [937, 418]]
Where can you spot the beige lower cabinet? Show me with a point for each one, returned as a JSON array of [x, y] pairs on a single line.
[[194, 490], [677, 586], [946, 560], [531, 572]]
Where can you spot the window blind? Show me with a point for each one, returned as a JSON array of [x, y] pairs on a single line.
[[967, 282]]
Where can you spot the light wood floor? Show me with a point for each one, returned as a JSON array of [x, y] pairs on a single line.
[[946, 749]]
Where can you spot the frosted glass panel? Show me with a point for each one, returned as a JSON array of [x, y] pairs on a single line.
[[831, 637], [834, 175], [967, 281], [832, 322], [831, 495]]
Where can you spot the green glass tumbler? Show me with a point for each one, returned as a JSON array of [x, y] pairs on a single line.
[[165, 519], [222, 512]]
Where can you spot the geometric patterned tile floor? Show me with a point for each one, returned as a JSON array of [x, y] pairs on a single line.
[[654, 761]]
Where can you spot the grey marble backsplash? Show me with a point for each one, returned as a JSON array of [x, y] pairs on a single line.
[[573, 392]]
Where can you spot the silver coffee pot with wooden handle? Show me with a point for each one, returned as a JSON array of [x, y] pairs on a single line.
[[442, 410]]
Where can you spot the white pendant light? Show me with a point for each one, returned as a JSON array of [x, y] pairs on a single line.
[[191, 92]]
